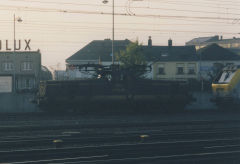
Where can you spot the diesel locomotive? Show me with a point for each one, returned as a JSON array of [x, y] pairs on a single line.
[[113, 89]]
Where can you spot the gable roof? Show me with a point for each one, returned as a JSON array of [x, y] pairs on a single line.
[[99, 48], [103, 49], [225, 41], [173, 53], [214, 52], [202, 40]]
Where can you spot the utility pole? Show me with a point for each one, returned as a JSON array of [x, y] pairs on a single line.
[[113, 26], [14, 49]]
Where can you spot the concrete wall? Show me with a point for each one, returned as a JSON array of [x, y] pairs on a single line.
[[17, 103], [202, 102]]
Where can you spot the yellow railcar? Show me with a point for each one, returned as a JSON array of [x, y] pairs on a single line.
[[226, 88]]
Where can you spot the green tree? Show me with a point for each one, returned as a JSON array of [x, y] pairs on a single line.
[[132, 60]]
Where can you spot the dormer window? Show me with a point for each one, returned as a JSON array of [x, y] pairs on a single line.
[[164, 54]]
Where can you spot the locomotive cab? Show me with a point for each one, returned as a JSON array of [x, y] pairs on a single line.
[[225, 87]]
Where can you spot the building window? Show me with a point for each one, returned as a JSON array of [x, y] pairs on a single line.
[[180, 69], [161, 70], [27, 84], [192, 69], [8, 66], [27, 66], [16, 84]]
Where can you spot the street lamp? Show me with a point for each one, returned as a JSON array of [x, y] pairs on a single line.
[[18, 19], [105, 2]]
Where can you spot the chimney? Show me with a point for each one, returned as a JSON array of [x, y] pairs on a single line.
[[170, 43], [150, 41]]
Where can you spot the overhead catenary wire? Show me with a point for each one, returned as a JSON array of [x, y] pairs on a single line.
[[120, 14], [85, 12], [208, 2], [194, 4], [134, 7], [95, 29], [136, 15], [178, 19], [124, 14], [107, 29]]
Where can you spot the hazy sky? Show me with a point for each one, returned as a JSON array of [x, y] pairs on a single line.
[[59, 28]]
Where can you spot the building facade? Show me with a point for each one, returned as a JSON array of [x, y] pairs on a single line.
[[24, 68], [173, 62], [168, 62], [176, 70], [203, 64], [213, 58], [170, 57]]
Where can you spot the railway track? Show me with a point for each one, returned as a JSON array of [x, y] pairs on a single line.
[[114, 124], [71, 139], [195, 142], [162, 150]]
